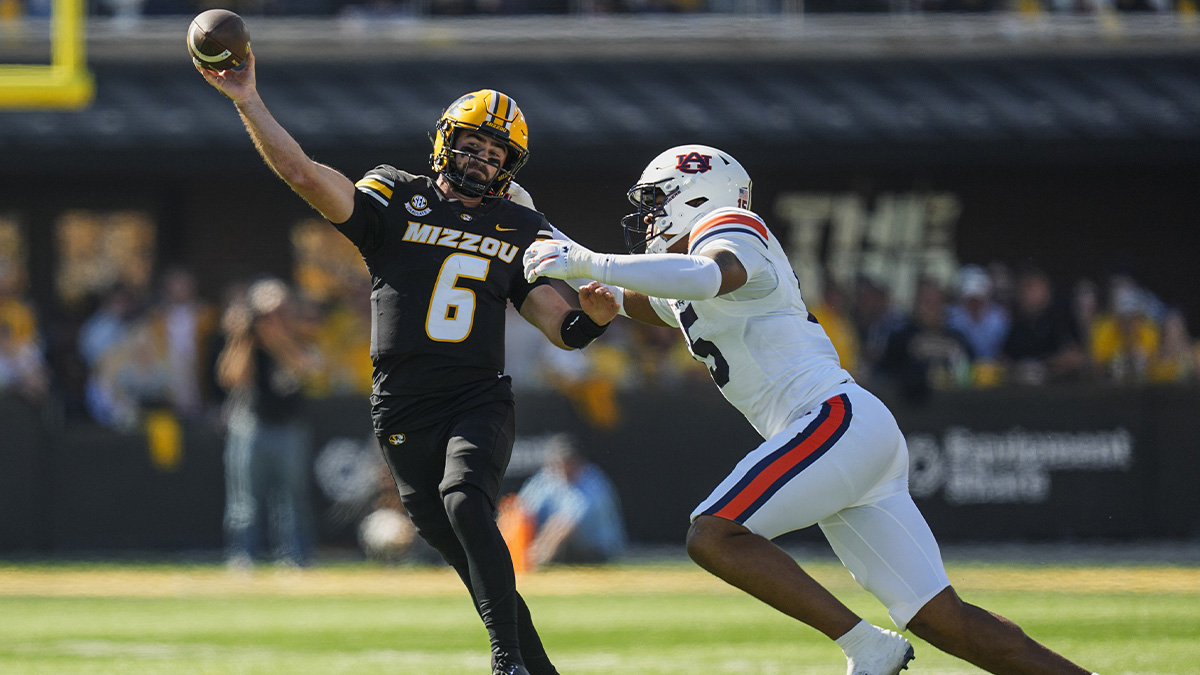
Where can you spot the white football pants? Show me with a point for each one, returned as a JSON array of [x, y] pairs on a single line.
[[844, 466]]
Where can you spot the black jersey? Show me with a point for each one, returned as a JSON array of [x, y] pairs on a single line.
[[442, 276]]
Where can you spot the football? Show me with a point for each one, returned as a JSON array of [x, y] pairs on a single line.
[[218, 40]]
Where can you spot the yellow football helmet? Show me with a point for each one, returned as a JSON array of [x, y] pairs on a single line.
[[489, 112]]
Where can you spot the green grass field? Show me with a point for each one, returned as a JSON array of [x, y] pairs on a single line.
[[665, 619]]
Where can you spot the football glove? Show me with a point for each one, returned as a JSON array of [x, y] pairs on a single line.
[[559, 260]]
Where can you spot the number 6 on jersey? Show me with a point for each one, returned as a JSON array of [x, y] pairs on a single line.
[[452, 308]]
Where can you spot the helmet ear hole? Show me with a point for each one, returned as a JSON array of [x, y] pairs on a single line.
[[697, 202]]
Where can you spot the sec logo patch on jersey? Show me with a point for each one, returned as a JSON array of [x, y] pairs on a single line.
[[418, 206]]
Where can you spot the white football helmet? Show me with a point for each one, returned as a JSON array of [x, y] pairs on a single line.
[[676, 189]]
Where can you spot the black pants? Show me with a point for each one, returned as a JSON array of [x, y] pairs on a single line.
[[449, 477]]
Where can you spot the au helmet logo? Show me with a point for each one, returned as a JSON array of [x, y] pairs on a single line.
[[397, 439], [694, 162], [418, 206]]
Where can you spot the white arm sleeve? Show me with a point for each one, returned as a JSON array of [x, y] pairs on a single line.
[[579, 282], [664, 275]]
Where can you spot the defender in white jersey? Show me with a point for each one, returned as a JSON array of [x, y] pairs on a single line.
[[833, 454]]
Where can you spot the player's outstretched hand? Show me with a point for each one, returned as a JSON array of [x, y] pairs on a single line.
[[558, 259], [544, 258], [599, 303], [238, 85]]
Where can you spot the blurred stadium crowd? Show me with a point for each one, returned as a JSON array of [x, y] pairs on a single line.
[[994, 326], [128, 349], [394, 8]]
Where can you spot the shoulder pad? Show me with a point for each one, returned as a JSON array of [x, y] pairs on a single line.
[[729, 221]]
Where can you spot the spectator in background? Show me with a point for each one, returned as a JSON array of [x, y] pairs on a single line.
[[132, 376], [181, 324], [1177, 359], [1124, 340], [1041, 345], [23, 371], [263, 367], [344, 337], [23, 368], [109, 325], [982, 320], [575, 508], [1003, 284], [926, 353], [16, 314], [1150, 303], [875, 319], [834, 317], [1085, 309]]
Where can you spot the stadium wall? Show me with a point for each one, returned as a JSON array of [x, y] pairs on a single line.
[[1052, 465]]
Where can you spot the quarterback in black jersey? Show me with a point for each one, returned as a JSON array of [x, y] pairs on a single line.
[[444, 255]]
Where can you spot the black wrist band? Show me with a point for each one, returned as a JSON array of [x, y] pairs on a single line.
[[578, 330]]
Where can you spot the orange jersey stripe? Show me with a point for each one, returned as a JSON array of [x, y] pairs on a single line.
[[730, 219], [764, 480]]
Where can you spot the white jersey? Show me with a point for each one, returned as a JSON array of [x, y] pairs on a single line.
[[766, 352]]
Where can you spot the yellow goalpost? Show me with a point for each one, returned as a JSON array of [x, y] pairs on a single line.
[[65, 82]]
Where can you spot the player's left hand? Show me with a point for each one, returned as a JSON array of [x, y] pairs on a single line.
[[553, 258], [599, 303]]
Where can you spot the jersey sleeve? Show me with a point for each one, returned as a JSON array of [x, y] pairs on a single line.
[[751, 254], [520, 287], [662, 307], [740, 232], [726, 222], [379, 184], [372, 196]]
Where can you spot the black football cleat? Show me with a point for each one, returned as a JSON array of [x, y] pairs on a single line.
[[502, 664], [507, 668]]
